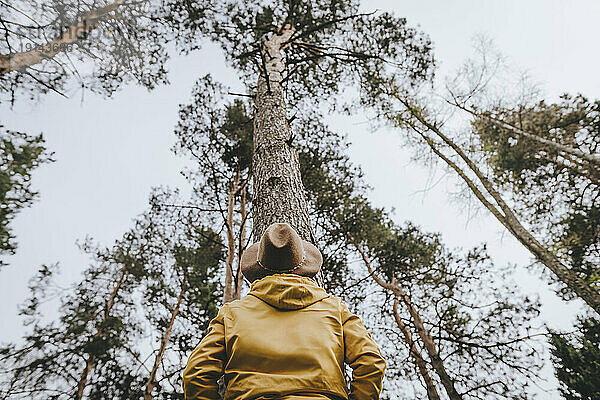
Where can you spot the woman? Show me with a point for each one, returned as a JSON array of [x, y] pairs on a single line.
[[288, 338]]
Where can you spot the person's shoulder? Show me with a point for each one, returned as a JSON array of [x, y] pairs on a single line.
[[336, 299], [243, 304], [342, 308], [334, 302]]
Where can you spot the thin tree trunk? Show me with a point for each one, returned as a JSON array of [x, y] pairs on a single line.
[[242, 242], [432, 393], [228, 291], [434, 355], [23, 60], [89, 364], [151, 382], [436, 361], [278, 192], [507, 217]]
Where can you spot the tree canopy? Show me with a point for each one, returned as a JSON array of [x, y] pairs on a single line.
[[555, 191]]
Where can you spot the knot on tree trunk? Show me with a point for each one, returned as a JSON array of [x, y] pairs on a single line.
[[274, 182]]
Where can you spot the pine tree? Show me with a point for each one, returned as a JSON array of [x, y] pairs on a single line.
[[125, 330], [468, 324], [86, 344], [305, 50], [565, 150], [551, 174], [180, 295]]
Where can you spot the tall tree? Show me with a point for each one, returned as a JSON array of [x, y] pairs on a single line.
[[555, 190], [474, 157], [463, 314], [93, 331], [159, 282], [306, 50], [20, 154], [180, 296], [178, 291]]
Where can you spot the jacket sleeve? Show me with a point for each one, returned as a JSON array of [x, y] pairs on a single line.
[[206, 363], [363, 356]]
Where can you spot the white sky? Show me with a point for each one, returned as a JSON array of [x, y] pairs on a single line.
[[110, 153]]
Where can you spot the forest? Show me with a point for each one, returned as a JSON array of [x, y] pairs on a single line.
[[258, 141]]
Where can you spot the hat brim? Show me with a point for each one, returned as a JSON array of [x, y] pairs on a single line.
[[253, 271]]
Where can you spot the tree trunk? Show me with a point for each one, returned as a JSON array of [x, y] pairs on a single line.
[[428, 343], [22, 60], [228, 291], [505, 215], [278, 192], [89, 364], [241, 244], [151, 383], [432, 393], [434, 355]]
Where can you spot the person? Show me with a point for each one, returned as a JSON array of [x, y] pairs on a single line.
[[288, 338]]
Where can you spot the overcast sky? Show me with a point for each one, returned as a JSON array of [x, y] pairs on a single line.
[[111, 152]]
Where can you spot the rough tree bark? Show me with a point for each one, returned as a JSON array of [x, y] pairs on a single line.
[[91, 360], [25, 59], [278, 192], [151, 382]]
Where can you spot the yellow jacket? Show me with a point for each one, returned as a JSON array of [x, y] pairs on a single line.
[[287, 339]]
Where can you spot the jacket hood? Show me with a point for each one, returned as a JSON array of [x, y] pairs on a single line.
[[287, 291]]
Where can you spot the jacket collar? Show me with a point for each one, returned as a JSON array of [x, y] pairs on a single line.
[[287, 291]]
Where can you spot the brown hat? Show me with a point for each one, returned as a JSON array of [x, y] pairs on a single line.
[[280, 250]]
